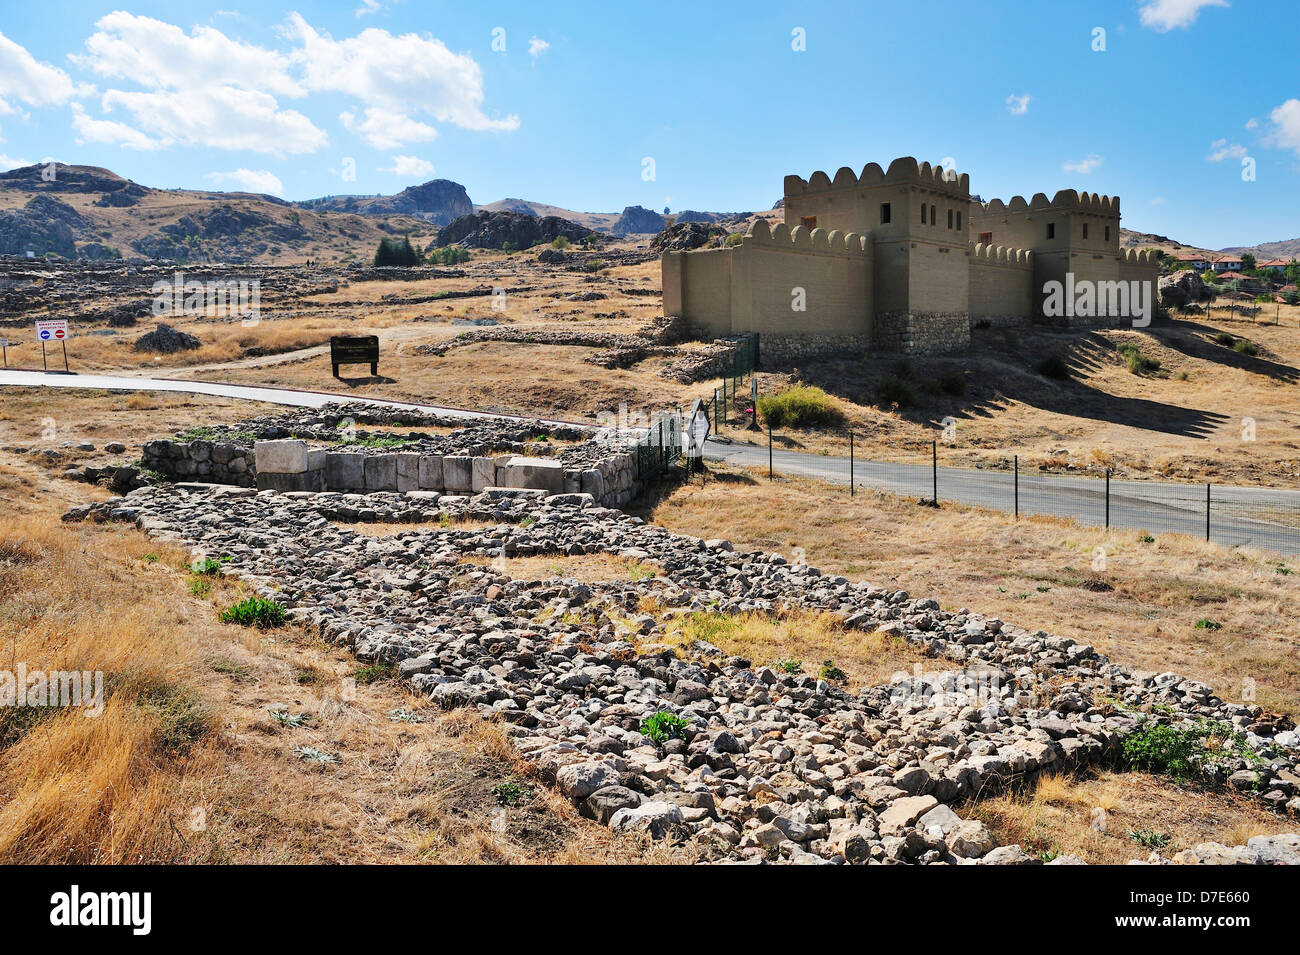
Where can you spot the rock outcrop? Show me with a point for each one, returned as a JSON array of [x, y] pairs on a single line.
[[507, 230]]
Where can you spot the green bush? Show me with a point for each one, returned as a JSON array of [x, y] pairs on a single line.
[[1138, 363], [447, 255], [951, 383], [897, 391], [801, 406], [664, 726], [560, 242], [1243, 347], [736, 238], [1225, 339], [254, 612], [1183, 751], [1053, 366]]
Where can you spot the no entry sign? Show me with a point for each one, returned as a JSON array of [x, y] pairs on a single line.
[[52, 330]]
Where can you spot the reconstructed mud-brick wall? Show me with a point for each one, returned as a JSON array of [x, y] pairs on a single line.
[[1001, 284]]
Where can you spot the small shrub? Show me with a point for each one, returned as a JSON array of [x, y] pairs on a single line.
[[1149, 838], [897, 391], [1243, 347], [735, 239], [314, 755], [1147, 539], [511, 793], [254, 612], [664, 726], [1205, 623], [1053, 366], [285, 718], [831, 673], [560, 242], [789, 665], [1182, 751], [801, 406], [951, 383], [378, 672], [1225, 339], [209, 566], [1138, 363]]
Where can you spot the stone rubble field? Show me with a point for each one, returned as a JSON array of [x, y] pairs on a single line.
[[770, 766]]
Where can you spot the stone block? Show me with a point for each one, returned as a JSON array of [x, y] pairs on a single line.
[[543, 473], [345, 470], [408, 471], [431, 472], [280, 457], [458, 474], [381, 472], [483, 473], [284, 481]]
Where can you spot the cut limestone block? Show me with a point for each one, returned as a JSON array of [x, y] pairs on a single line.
[[542, 473], [312, 480], [281, 457], [408, 471], [483, 474], [381, 472], [431, 472], [458, 474], [345, 470]]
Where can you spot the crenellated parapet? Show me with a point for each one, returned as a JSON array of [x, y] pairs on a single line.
[[901, 172], [1067, 200], [982, 254], [799, 239], [1139, 259]]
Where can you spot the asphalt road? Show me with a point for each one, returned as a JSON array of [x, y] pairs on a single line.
[[1267, 518]]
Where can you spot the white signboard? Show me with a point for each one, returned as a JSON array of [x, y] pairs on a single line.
[[52, 330], [697, 430]]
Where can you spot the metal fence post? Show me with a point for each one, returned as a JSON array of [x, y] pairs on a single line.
[[769, 450], [1108, 497], [934, 469], [850, 462], [1207, 512], [1017, 484]]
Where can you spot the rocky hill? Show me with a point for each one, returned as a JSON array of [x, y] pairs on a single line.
[[438, 200], [508, 230], [86, 212]]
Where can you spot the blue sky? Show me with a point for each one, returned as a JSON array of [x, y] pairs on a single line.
[[289, 98]]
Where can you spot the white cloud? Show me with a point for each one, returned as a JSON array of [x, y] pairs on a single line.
[[9, 162], [25, 80], [537, 46], [1018, 105], [386, 128], [1221, 149], [158, 55], [1166, 15], [369, 6], [410, 167], [90, 130], [1252, 123], [398, 75], [1083, 165], [248, 180], [1285, 132], [222, 117]]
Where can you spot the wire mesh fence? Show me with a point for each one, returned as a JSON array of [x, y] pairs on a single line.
[[1267, 518]]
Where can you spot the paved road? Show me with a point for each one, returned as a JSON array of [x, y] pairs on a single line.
[[1268, 518], [1258, 517], [278, 396]]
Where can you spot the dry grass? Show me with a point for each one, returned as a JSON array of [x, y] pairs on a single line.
[[801, 641], [221, 342], [1036, 572], [186, 762], [1059, 816]]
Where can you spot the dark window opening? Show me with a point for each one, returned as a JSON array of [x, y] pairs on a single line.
[[949, 218], [923, 213], [1107, 233], [959, 222], [1085, 230], [986, 238], [808, 222], [884, 213], [1051, 230]]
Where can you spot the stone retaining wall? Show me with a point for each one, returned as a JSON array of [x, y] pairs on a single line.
[[216, 462], [290, 465]]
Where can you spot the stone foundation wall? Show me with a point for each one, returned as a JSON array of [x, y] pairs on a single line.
[[290, 465], [787, 349], [921, 333], [216, 462]]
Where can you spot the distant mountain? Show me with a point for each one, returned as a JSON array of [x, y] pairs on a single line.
[[86, 212], [438, 200], [1286, 249], [596, 221]]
